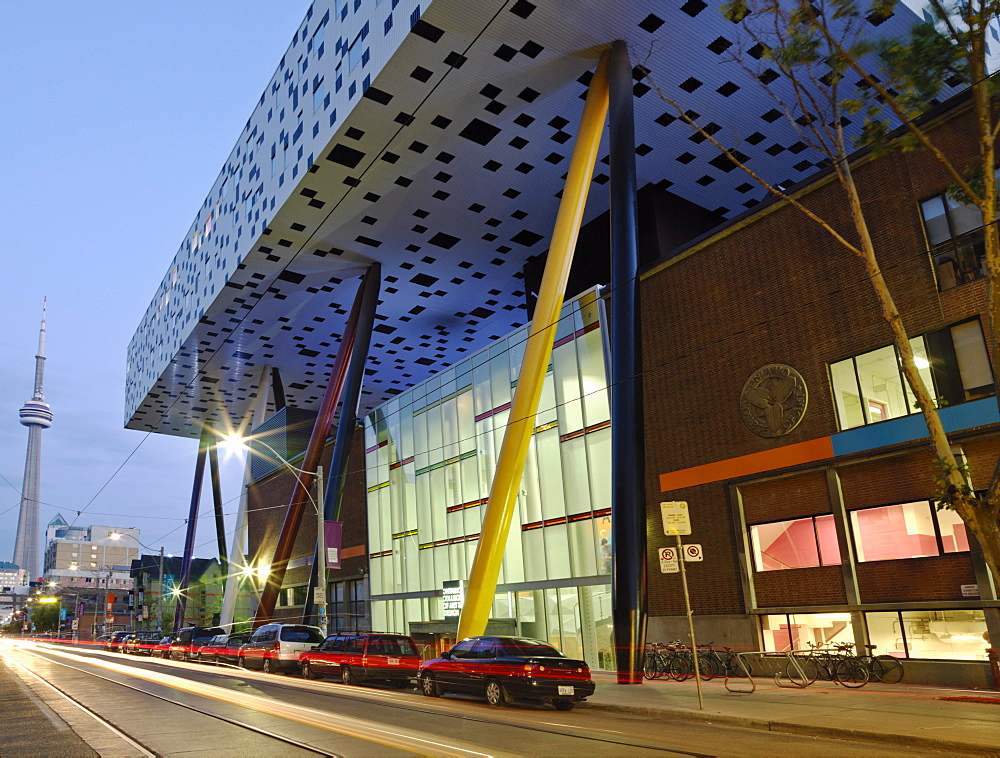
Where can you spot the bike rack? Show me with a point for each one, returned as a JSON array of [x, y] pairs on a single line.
[[790, 655], [746, 672]]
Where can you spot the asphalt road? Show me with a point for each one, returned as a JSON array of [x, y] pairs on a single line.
[[133, 693]]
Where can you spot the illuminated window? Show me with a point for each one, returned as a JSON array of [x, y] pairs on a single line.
[[907, 530], [797, 543], [948, 635], [953, 363], [955, 238], [783, 632]]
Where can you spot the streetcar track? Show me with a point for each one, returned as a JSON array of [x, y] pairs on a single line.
[[234, 722], [304, 687]]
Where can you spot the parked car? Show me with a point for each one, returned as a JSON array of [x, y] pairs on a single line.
[[140, 643], [190, 639], [275, 648], [223, 648], [363, 657], [162, 648], [115, 642], [507, 668]]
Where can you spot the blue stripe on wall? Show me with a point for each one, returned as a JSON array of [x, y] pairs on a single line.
[[910, 428]]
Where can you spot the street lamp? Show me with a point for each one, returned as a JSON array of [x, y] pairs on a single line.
[[235, 442], [115, 535]]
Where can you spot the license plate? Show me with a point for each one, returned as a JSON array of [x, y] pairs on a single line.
[[394, 661], [565, 690]]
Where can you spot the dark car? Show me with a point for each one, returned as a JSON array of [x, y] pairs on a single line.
[[363, 657], [507, 668], [275, 648], [161, 649], [115, 642], [190, 639], [223, 648], [140, 643]]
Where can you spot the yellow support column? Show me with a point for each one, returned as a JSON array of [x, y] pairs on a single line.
[[538, 350]]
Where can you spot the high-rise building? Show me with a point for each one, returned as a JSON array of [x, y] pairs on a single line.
[[89, 557], [36, 415]]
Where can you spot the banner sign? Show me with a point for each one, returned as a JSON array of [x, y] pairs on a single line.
[[333, 531]]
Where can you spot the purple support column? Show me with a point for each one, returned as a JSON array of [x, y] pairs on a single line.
[[207, 440]]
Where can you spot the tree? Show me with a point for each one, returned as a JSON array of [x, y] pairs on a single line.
[[816, 59], [45, 617]]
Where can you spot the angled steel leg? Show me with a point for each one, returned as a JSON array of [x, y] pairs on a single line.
[[510, 465], [206, 441]]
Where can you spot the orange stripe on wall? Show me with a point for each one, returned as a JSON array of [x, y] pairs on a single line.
[[352, 552], [744, 465]]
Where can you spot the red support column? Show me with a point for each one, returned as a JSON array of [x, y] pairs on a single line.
[[304, 481]]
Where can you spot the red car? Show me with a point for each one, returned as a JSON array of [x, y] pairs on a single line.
[[503, 669], [363, 657]]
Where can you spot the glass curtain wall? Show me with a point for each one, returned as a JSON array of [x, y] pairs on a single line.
[[430, 454]]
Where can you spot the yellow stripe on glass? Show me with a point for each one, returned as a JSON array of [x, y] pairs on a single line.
[[510, 466]]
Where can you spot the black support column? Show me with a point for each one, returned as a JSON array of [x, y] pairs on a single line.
[[628, 506], [206, 441]]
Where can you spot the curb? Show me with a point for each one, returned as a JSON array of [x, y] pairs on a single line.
[[808, 730]]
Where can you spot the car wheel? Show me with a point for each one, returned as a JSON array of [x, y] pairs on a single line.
[[307, 671], [347, 676], [494, 693], [429, 687], [241, 661], [269, 666], [563, 705]]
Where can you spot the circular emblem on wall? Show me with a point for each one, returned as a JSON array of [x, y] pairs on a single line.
[[773, 400]]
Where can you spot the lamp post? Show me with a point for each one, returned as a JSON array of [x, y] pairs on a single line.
[[237, 443], [159, 594]]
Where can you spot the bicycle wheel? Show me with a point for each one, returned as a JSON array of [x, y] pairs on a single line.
[[886, 669], [707, 666], [806, 672], [651, 666], [851, 672], [737, 667], [825, 667], [680, 668]]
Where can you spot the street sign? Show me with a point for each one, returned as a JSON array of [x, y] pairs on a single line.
[[75, 624], [668, 560], [318, 598], [676, 518], [693, 553]]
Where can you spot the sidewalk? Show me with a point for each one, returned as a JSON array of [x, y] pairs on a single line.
[[907, 716]]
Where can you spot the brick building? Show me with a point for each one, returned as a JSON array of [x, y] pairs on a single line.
[[827, 530]]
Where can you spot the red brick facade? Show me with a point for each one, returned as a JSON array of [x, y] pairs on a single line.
[[776, 288]]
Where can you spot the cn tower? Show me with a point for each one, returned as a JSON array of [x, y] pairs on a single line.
[[36, 415]]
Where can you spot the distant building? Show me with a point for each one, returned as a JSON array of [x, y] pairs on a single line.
[[89, 557], [11, 575]]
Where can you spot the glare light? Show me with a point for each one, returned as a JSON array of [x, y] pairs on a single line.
[[115, 535], [263, 571], [47, 599], [963, 637], [921, 362], [233, 442]]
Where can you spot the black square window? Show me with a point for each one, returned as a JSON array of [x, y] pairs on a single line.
[[390, 157], [528, 94], [558, 122], [524, 120], [705, 180], [772, 115], [421, 74], [495, 107], [651, 23], [479, 132], [491, 91], [455, 60], [719, 45], [693, 7], [665, 119], [345, 156], [531, 49], [756, 138], [727, 89], [492, 165], [690, 84], [417, 147], [768, 76], [518, 142], [685, 158], [522, 8], [505, 53], [427, 31], [441, 122]]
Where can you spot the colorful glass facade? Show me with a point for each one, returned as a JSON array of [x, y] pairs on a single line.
[[430, 454]]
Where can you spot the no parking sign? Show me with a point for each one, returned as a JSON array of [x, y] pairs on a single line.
[[668, 560], [693, 553]]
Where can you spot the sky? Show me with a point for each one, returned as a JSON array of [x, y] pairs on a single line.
[[116, 118]]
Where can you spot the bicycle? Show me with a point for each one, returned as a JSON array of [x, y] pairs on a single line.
[[818, 663], [885, 668]]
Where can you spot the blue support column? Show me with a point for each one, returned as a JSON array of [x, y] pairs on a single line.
[[348, 420], [206, 441], [628, 507]]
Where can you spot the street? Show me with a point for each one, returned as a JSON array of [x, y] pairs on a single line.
[[171, 708]]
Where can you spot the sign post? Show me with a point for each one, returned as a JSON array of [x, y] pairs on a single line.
[[677, 521]]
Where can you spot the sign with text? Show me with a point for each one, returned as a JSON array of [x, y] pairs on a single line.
[[676, 518], [318, 598], [668, 560], [333, 534], [970, 590], [693, 553], [452, 598]]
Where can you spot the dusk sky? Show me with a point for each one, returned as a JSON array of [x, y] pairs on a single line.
[[117, 117]]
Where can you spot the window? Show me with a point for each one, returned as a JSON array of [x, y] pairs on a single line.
[[783, 632], [797, 543], [907, 530], [953, 363], [354, 53], [319, 92], [948, 635], [955, 238]]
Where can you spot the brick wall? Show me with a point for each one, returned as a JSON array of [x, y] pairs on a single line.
[[778, 289], [937, 578]]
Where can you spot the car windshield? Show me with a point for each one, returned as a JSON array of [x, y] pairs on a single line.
[[300, 634], [530, 648], [387, 645]]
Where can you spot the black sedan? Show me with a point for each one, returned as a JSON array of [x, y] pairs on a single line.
[[504, 669]]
